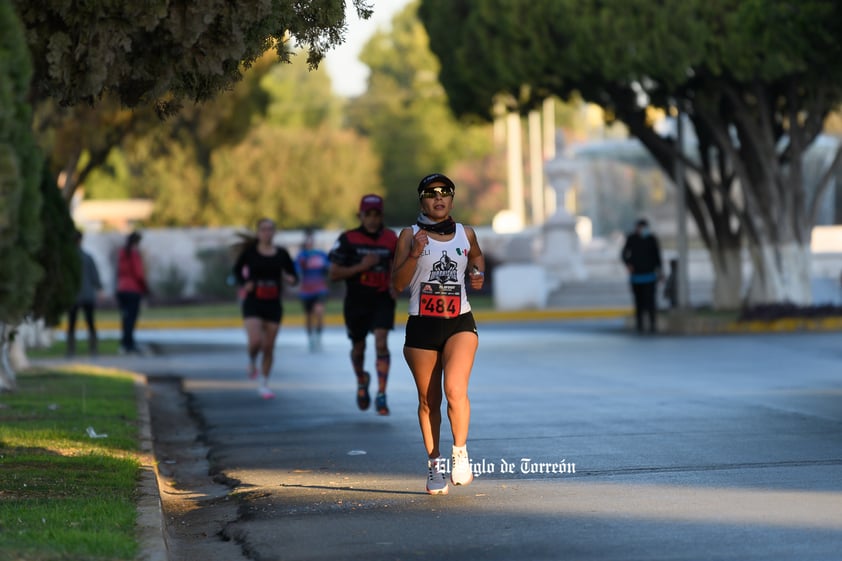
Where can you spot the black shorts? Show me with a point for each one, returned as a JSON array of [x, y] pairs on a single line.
[[362, 318], [433, 333], [310, 301], [267, 310]]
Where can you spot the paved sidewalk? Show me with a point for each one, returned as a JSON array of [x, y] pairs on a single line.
[[717, 447]]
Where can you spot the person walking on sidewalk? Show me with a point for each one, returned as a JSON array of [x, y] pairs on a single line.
[[432, 259], [261, 269], [363, 257], [642, 256], [131, 288], [313, 266], [90, 286]]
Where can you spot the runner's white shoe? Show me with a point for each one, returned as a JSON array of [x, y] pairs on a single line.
[[436, 481], [460, 467], [265, 392]]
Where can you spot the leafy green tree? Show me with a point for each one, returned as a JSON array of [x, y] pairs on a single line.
[[93, 59], [80, 140], [755, 78], [164, 51], [20, 198], [405, 113], [192, 165], [169, 161], [299, 177], [297, 97], [143, 54]]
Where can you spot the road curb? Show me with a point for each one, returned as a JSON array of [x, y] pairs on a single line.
[[151, 532]]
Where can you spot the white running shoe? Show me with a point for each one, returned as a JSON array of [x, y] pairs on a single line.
[[436, 481], [460, 467], [266, 393]]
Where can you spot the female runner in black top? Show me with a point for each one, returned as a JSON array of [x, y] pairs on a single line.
[[260, 270]]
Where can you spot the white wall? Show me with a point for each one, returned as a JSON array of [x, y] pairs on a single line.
[[164, 247]]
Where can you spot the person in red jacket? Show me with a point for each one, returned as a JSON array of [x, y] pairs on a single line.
[[131, 288]]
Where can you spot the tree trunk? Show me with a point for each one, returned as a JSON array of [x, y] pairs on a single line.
[[8, 379], [728, 279], [781, 274]]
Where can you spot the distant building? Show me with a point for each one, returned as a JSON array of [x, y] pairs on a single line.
[[114, 214]]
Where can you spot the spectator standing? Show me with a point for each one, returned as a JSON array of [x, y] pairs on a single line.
[[642, 257], [89, 291], [131, 288]]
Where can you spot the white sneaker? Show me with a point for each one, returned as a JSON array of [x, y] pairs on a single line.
[[460, 467], [266, 393], [436, 481]]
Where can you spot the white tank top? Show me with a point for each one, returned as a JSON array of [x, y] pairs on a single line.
[[438, 285]]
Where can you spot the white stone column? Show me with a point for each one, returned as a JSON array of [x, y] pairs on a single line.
[[559, 251]]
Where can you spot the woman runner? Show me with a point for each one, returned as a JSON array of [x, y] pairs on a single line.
[[260, 270], [432, 258]]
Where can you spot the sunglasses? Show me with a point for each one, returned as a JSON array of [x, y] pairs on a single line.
[[433, 192]]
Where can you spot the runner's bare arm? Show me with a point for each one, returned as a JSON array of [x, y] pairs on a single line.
[[406, 256], [476, 260]]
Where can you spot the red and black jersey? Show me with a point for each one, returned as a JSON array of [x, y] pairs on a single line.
[[265, 271], [349, 250]]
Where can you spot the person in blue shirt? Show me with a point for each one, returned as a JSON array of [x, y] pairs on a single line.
[[313, 266], [642, 256]]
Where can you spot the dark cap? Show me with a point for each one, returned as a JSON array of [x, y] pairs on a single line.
[[371, 202], [433, 178]]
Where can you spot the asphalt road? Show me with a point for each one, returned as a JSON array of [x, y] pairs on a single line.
[[589, 443]]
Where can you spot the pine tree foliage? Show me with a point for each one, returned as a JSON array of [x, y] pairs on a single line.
[[20, 167], [59, 255]]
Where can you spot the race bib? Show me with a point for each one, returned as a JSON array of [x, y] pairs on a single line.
[[266, 291], [375, 279], [440, 300]]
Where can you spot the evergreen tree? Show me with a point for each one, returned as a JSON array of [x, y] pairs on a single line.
[[59, 255], [20, 198]]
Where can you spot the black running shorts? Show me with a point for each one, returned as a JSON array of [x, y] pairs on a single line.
[[362, 319], [268, 310], [309, 302], [433, 333]]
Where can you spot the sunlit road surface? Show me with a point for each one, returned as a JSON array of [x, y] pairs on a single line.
[[588, 443]]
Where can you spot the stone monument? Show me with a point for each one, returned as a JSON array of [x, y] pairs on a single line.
[[559, 252]]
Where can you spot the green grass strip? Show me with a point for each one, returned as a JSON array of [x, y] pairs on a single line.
[[63, 494]]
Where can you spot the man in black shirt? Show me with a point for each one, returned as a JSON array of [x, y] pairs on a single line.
[[362, 257], [642, 256]]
